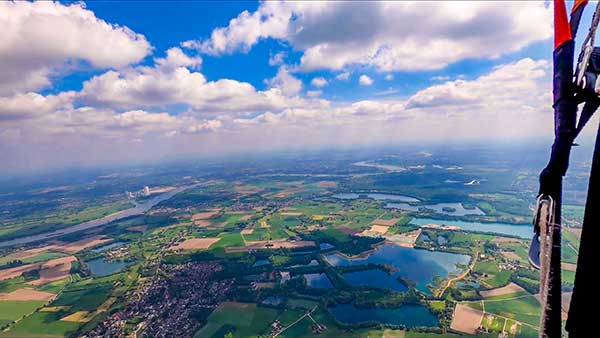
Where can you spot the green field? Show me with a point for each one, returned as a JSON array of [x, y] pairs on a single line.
[[525, 309], [229, 239], [42, 325], [83, 297], [243, 319], [12, 309]]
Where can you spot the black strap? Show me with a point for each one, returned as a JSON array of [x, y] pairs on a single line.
[[582, 321]]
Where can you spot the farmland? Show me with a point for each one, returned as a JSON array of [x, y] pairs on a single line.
[[276, 250]]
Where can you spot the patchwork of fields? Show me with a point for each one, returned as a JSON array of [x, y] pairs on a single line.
[[275, 239]]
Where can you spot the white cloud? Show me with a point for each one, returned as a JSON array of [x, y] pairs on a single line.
[[505, 86], [343, 76], [31, 105], [285, 81], [387, 35], [43, 39], [509, 102], [277, 59], [314, 93], [389, 77], [365, 80], [319, 82], [171, 81]]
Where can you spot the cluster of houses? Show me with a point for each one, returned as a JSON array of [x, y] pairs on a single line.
[[164, 306]]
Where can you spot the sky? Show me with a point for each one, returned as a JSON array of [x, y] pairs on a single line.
[[117, 82]]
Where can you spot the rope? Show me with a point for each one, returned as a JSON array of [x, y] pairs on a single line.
[[545, 222]]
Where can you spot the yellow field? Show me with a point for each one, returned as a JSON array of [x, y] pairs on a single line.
[[78, 317]]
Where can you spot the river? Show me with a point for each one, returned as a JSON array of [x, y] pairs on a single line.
[[137, 210]]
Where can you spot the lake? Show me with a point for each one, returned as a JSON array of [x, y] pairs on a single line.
[[317, 280], [375, 278], [419, 266], [402, 202], [101, 267], [409, 315], [523, 231], [458, 208], [137, 210], [376, 196]]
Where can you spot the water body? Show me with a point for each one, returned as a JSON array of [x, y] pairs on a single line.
[[326, 246], [101, 267], [273, 300], [137, 210], [261, 262], [402, 202], [375, 278], [409, 315], [523, 231], [376, 196], [441, 240], [423, 238], [419, 266], [317, 280], [473, 285], [108, 246], [458, 208], [312, 263]]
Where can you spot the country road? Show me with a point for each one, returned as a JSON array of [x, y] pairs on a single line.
[[462, 275]]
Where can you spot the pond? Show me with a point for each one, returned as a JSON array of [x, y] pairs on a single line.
[[312, 263], [451, 209], [409, 315], [375, 278], [441, 240], [419, 266], [376, 196], [317, 281], [523, 231], [326, 246], [273, 300], [108, 246], [473, 284], [101, 267], [261, 262]]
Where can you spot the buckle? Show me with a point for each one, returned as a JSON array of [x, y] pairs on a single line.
[[543, 220]]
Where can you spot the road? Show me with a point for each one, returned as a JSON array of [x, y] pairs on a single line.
[[296, 322], [462, 275]]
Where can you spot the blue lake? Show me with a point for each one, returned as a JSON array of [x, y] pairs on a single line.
[[101, 267], [317, 280], [523, 231], [375, 278], [376, 196], [459, 209], [409, 315], [419, 266]]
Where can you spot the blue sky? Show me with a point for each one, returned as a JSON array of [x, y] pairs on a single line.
[[120, 81], [167, 24]]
